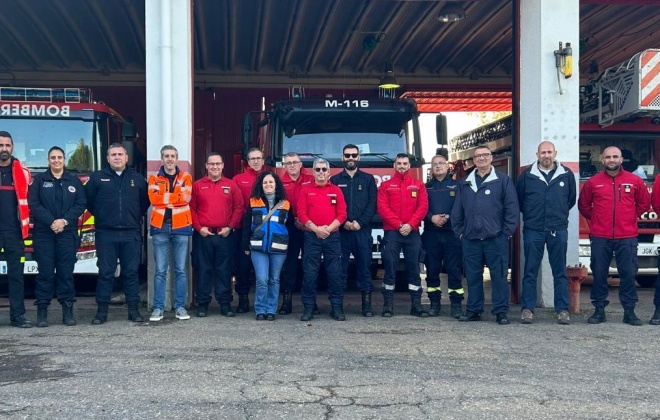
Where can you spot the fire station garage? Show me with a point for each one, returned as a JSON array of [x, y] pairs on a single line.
[[188, 72]]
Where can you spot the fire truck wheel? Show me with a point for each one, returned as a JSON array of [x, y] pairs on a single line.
[[646, 281]]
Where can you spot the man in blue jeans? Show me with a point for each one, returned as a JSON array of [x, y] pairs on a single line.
[[170, 191], [546, 194]]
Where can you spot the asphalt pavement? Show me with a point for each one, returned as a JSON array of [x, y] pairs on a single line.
[[364, 368]]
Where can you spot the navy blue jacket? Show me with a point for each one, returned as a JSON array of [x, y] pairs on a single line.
[[117, 202], [45, 206], [487, 211], [442, 195], [545, 206], [360, 195]]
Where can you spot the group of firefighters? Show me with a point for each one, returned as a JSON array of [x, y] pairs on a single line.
[[261, 221]]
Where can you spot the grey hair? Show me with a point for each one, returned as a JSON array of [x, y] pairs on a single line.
[[321, 160], [290, 154]]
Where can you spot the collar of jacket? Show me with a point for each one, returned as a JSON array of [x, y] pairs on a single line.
[[161, 171], [401, 176], [534, 170], [471, 179]]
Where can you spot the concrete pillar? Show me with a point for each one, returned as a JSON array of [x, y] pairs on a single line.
[[548, 111], [169, 80]]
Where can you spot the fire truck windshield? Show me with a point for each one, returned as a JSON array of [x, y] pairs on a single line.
[[34, 137], [373, 146]]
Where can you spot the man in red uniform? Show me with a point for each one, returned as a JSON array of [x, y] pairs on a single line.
[[217, 210], [294, 179], [402, 204], [245, 181], [322, 209], [612, 201]]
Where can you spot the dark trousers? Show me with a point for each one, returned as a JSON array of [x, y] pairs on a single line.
[[289, 275], [213, 259], [359, 244], [625, 251], [493, 252], [56, 256], [442, 247], [14, 247], [534, 242], [393, 243], [656, 295], [243, 266], [330, 249], [125, 245]]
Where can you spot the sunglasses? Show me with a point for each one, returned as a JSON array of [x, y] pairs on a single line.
[[351, 155], [321, 169]]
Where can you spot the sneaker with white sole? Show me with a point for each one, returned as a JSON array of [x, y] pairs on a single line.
[[181, 313], [563, 318], [527, 316], [156, 315]]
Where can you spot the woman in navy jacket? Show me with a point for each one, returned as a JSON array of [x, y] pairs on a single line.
[[56, 199]]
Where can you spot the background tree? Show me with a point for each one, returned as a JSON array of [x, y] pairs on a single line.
[[81, 158]]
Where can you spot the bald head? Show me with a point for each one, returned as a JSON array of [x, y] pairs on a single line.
[[612, 160], [546, 155]]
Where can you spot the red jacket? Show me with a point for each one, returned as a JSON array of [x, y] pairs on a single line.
[[293, 188], [655, 195], [612, 205], [321, 204], [216, 204], [402, 199], [22, 179], [245, 181]]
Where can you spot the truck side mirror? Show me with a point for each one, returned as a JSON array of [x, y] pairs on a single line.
[[441, 129]]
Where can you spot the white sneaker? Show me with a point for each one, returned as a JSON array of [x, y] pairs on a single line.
[[156, 315], [181, 313]]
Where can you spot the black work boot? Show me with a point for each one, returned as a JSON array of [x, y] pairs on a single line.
[[42, 315], [434, 310], [388, 306], [67, 314], [286, 307], [243, 304], [366, 304], [456, 311], [308, 314], [134, 313], [101, 316], [630, 318], [337, 313], [416, 308], [655, 320], [225, 310], [597, 317], [317, 311]]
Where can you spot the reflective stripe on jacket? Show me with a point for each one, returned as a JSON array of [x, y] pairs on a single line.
[[161, 198], [272, 236], [22, 179]]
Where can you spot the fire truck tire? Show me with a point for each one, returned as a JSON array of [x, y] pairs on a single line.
[[646, 281]]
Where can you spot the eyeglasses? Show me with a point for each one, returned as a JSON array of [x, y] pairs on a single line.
[[295, 162], [321, 169], [215, 163], [439, 164], [351, 155], [255, 159], [482, 155]]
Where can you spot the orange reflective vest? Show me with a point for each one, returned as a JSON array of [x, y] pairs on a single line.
[[162, 199], [22, 179]]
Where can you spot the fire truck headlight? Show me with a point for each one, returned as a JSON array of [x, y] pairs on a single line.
[[585, 251], [88, 239]]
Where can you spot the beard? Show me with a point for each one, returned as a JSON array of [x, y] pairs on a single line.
[[613, 167], [5, 156], [350, 165]]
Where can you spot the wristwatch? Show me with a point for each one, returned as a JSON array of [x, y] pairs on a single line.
[[65, 222], [446, 216]]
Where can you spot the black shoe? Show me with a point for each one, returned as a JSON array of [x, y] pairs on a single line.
[[286, 307], [502, 319], [455, 311], [366, 305], [434, 310], [101, 316], [67, 314], [134, 314], [597, 317], [388, 307], [308, 314], [469, 317], [337, 313], [630, 318], [655, 320], [202, 311], [243, 304], [225, 310], [260, 317], [317, 311], [416, 309], [20, 322], [270, 317], [42, 316]]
